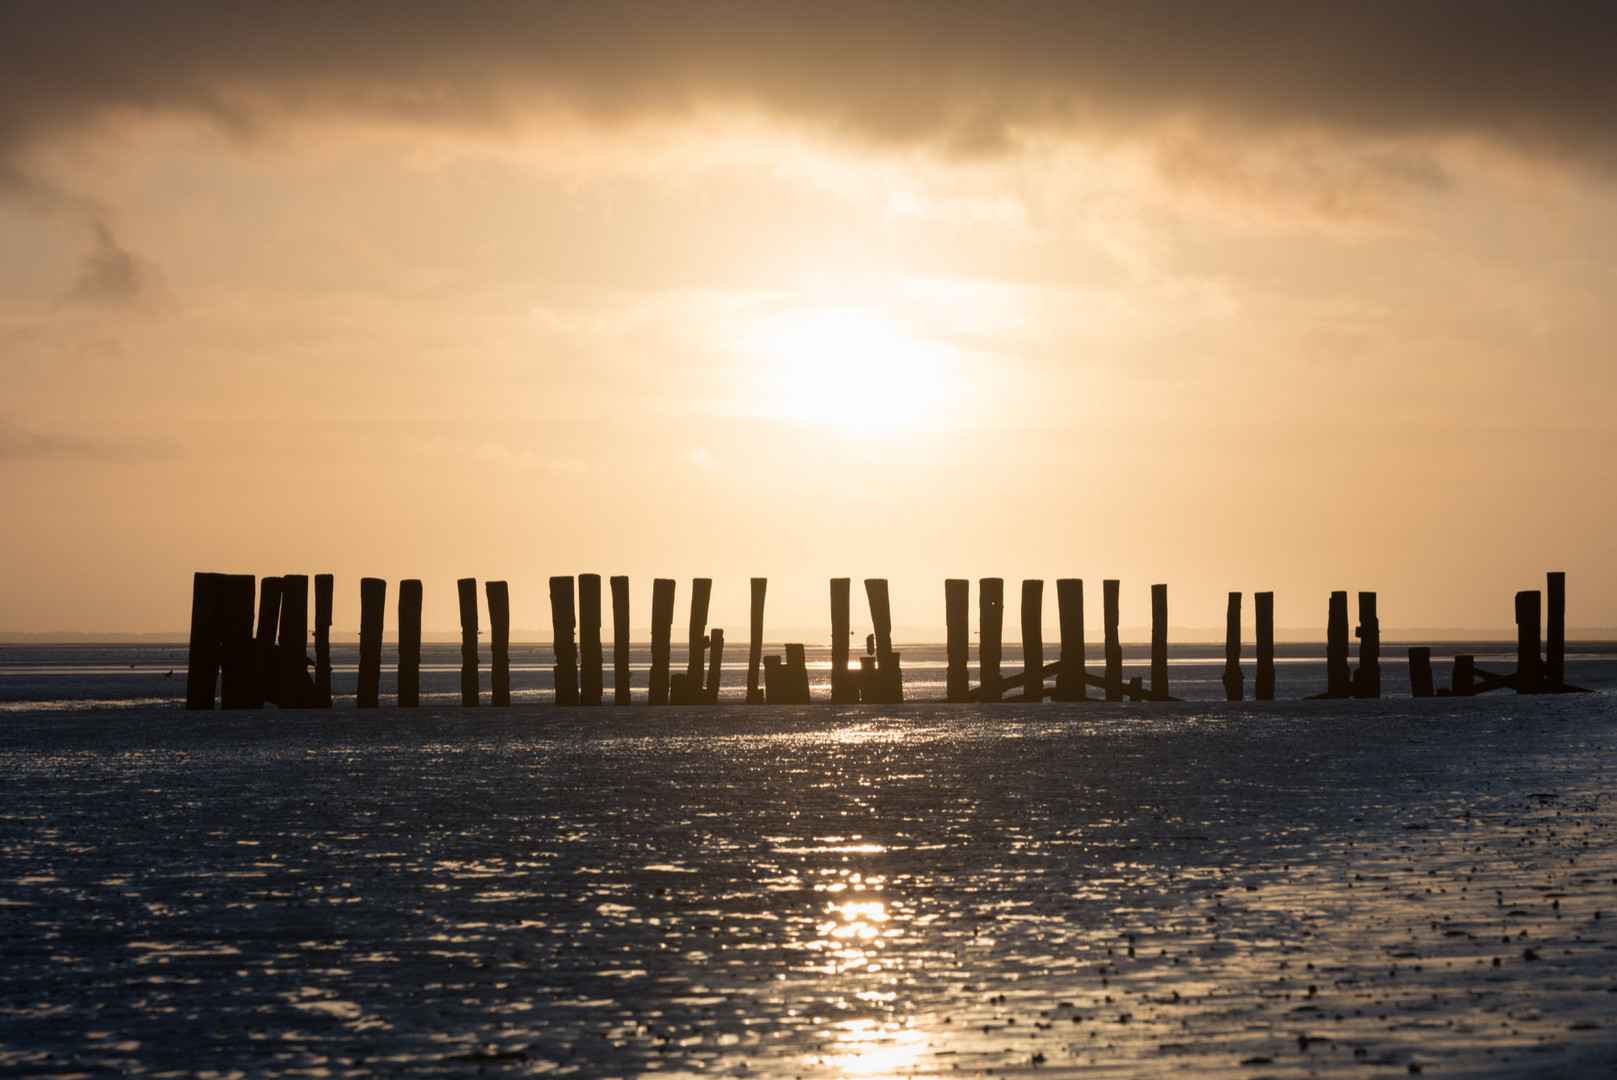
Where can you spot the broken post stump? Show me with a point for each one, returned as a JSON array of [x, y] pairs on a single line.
[[467, 589], [1159, 643], [498, 595], [263, 685], [1554, 634], [662, 634], [845, 685], [1234, 678], [1263, 610], [409, 643], [1420, 671], [701, 593], [1071, 684], [774, 681], [372, 604], [755, 647], [956, 605], [797, 684], [323, 588], [1529, 664], [715, 668], [1338, 677], [1367, 679], [1114, 647], [235, 618], [563, 620], [589, 639], [1033, 639], [620, 640], [202, 663], [990, 629], [889, 677]]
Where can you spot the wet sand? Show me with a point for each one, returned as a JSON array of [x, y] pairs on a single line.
[[1344, 888]]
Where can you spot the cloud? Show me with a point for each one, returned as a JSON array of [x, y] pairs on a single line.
[[966, 78], [113, 275], [20, 444]]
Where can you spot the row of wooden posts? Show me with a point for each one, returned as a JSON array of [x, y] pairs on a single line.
[[272, 666]]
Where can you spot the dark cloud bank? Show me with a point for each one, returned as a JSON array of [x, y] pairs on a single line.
[[965, 77]]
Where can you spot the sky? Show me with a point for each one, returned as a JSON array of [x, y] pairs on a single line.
[[1247, 296]]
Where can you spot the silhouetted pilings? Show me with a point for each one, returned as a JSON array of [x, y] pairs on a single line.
[[323, 586], [957, 638], [662, 636], [372, 602], [1555, 634], [563, 620], [202, 670], [467, 590], [1159, 642], [1263, 612], [886, 687], [1113, 645], [844, 683], [755, 645], [499, 642], [1367, 677], [620, 640], [1032, 640], [294, 687], [590, 675], [409, 643], [261, 685], [1420, 671], [1234, 677], [990, 628], [1071, 681]]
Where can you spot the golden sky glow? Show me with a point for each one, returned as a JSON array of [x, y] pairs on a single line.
[[1296, 298]]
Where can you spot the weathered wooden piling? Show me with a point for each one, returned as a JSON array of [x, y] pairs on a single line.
[[701, 594], [1114, 647], [235, 619], [1420, 671], [620, 640], [755, 646], [467, 588], [265, 663], [1554, 634], [715, 665], [796, 672], [990, 631], [1032, 640], [1071, 681], [372, 607], [563, 620], [956, 616], [498, 595], [1263, 609], [294, 688], [774, 681], [409, 643], [1367, 679], [662, 635], [1529, 664], [1462, 681], [589, 639], [1338, 676], [202, 663], [845, 685], [889, 676], [1234, 678], [1159, 643], [324, 586]]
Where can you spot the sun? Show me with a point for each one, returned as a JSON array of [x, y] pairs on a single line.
[[851, 368]]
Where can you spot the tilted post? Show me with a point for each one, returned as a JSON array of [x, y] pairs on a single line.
[[701, 593]]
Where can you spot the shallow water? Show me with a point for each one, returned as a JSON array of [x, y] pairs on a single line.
[[1244, 890]]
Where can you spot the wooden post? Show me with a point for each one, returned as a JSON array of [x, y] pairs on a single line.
[[701, 593], [620, 640], [715, 669], [956, 614], [323, 587], [1338, 678], [844, 684], [662, 635], [409, 643], [589, 639], [774, 681], [1420, 671], [1367, 679], [1114, 647], [498, 595], [265, 666], [372, 607], [295, 690], [881, 618], [467, 588], [1529, 665], [1555, 634], [755, 647], [562, 623], [235, 616], [1462, 680], [1263, 605], [202, 662], [1234, 679], [797, 684], [1159, 643], [1071, 684], [990, 628], [1032, 640]]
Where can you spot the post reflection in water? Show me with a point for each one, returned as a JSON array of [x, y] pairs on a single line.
[[789, 893]]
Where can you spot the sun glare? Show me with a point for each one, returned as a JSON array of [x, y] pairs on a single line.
[[852, 368]]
